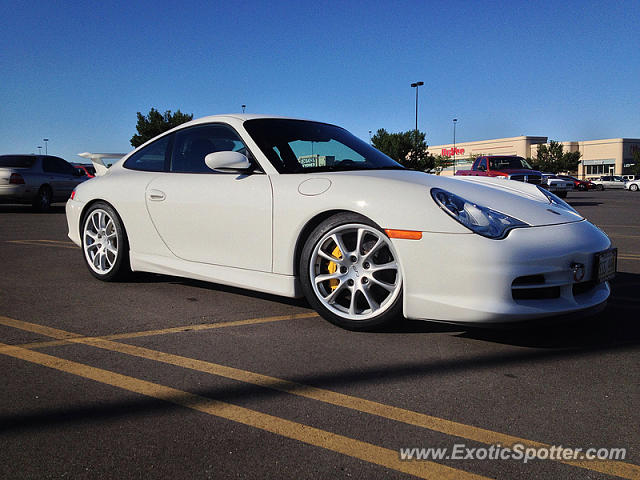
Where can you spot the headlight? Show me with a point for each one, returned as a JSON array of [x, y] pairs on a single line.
[[478, 219], [557, 201]]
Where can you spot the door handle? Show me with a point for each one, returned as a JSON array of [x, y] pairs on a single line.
[[156, 195]]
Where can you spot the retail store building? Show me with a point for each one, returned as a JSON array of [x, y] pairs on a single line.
[[611, 156]]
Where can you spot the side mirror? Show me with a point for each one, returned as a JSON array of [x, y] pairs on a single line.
[[227, 162]]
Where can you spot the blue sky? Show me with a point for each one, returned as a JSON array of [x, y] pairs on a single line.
[[77, 72]]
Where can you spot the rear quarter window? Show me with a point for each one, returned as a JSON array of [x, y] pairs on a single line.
[[17, 161]]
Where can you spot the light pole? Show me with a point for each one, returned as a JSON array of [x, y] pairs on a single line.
[[455, 120], [369, 137], [243, 107], [39, 150], [416, 85], [46, 149]]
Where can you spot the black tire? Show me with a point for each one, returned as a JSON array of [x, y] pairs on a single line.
[[633, 188], [357, 290], [582, 187], [100, 238], [600, 187], [42, 201], [562, 194]]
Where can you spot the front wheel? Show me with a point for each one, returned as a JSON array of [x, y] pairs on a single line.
[[600, 187], [104, 243], [633, 188], [351, 274]]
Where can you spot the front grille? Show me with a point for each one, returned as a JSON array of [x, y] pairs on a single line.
[[545, 293], [584, 287], [531, 287], [533, 178]]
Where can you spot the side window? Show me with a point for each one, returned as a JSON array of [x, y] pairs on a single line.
[[64, 167], [56, 165], [191, 145], [48, 165], [482, 165], [151, 158]]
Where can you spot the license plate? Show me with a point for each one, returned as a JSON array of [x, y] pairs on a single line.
[[605, 265]]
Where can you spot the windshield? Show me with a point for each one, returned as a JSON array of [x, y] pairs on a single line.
[[502, 163], [298, 146]]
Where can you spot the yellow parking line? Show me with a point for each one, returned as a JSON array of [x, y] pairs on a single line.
[[448, 427], [45, 243], [280, 426], [629, 257], [55, 333], [617, 226], [616, 235]]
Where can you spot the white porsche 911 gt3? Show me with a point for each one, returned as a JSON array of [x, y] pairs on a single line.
[[294, 207]]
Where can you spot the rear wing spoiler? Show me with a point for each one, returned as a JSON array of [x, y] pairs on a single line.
[[98, 160]]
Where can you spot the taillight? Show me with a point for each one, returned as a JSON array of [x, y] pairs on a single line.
[[16, 179], [73, 194]]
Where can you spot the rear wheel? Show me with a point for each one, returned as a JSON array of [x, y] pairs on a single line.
[[42, 202], [562, 194], [104, 243], [600, 187], [351, 274], [633, 187]]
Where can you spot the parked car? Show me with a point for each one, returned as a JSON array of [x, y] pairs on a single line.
[[633, 185], [609, 181], [83, 169], [631, 178], [38, 180], [507, 167], [557, 185], [295, 207], [579, 184]]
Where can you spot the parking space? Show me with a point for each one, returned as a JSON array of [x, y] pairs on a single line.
[[161, 376]]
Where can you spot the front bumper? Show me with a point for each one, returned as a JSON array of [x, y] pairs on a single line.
[[73, 210], [468, 278]]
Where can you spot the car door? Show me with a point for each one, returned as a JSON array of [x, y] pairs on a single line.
[[60, 175], [209, 217]]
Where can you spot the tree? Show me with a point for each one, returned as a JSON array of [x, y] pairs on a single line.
[[441, 162], [553, 158], [407, 148], [156, 123]]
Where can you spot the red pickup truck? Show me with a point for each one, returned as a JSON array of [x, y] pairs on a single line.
[[509, 167]]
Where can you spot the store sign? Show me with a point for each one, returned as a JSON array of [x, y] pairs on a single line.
[[448, 152]]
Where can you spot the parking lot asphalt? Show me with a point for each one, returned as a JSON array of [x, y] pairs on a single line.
[[163, 377]]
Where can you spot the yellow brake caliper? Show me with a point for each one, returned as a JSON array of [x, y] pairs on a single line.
[[333, 268]]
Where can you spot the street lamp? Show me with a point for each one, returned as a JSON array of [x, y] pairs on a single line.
[[243, 107], [455, 120], [39, 150], [416, 85], [369, 137], [46, 149]]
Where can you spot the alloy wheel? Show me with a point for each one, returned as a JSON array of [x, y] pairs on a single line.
[[100, 241], [354, 272]]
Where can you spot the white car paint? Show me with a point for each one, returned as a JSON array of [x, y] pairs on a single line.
[[246, 230]]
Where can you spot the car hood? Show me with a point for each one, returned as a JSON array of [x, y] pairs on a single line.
[[520, 200]]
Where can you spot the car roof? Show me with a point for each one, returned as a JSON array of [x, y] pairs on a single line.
[[236, 116]]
